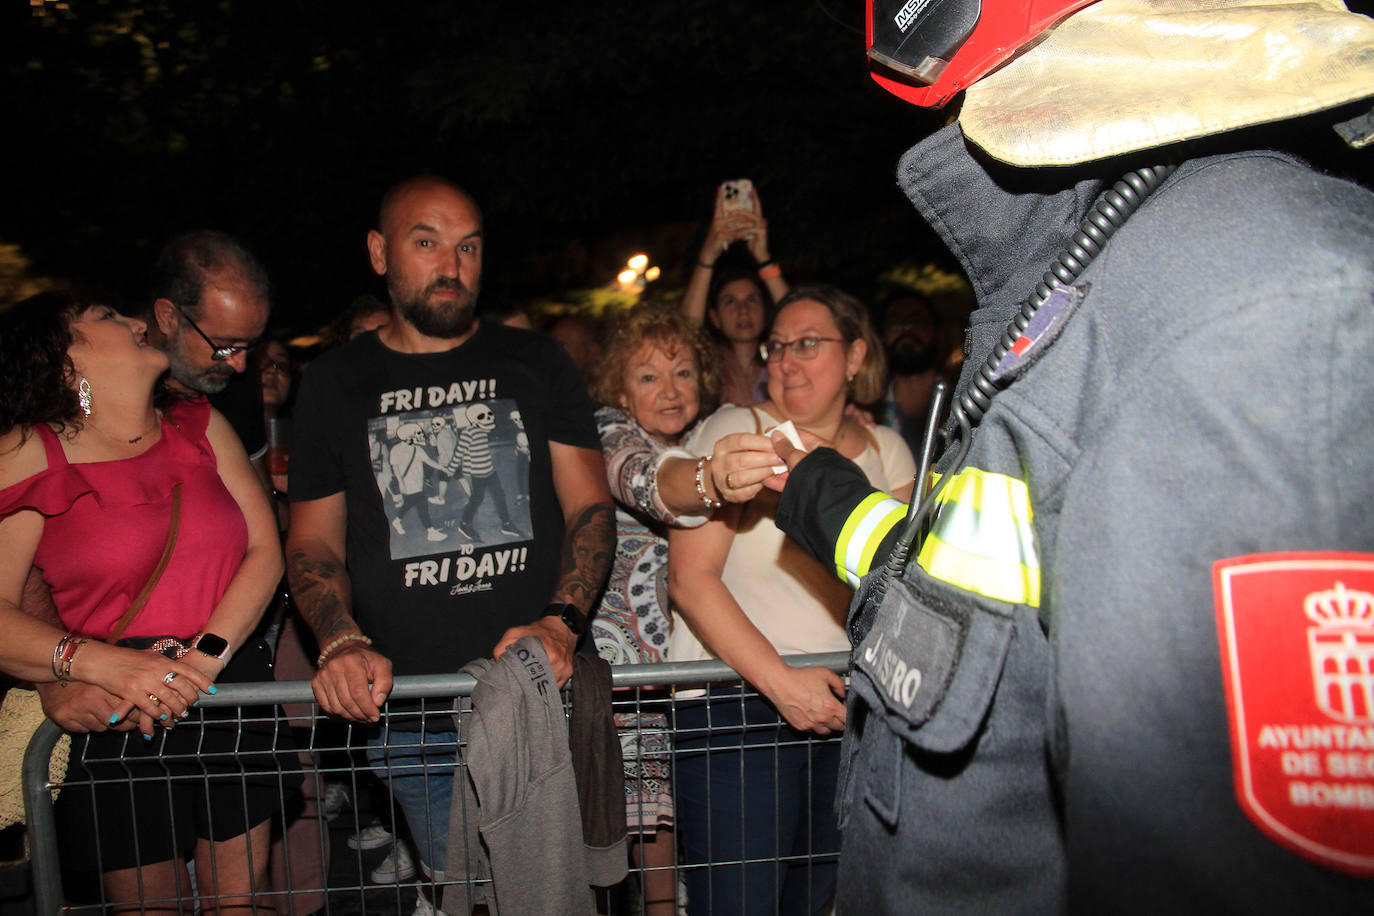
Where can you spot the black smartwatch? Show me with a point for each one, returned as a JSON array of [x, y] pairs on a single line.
[[213, 646], [572, 618]]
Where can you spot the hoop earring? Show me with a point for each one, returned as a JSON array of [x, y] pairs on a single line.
[[83, 396]]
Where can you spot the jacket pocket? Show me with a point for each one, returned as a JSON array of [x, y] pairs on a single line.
[[930, 664]]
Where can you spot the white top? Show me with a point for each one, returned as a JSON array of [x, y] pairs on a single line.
[[796, 601]]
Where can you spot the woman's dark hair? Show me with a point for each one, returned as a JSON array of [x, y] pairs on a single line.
[[337, 334], [37, 378], [731, 267]]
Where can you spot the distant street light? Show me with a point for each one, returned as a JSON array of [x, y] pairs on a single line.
[[636, 274]]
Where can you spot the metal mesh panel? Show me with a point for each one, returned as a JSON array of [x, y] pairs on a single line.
[[340, 844]]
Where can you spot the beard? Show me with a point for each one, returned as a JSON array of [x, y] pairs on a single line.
[[907, 356], [210, 380], [447, 319]]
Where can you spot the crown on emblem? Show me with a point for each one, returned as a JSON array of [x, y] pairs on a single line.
[[1340, 608]]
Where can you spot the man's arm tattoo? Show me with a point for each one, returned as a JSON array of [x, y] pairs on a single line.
[[315, 589], [588, 546]]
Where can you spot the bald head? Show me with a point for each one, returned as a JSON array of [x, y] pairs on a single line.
[[421, 185]]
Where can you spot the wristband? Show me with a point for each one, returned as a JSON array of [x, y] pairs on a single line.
[[770, 272], [705, 265], [762, 264], [706, 501], [572, 618], [329, 649]]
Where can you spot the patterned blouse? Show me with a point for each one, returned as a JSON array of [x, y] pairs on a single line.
[[631, 625]]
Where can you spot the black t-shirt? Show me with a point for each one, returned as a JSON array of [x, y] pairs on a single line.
[[454, 528], [241, 404]]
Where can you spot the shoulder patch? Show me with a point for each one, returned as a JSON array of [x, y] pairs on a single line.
[[1296, 632], [1042, 331]]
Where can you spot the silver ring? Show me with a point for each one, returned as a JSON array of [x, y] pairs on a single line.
[[153, 698], [171, 676], [729, 485]]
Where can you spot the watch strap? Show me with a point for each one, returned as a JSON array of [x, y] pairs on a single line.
[[572, 618]]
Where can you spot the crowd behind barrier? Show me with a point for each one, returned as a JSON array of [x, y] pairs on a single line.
[[336, 752]]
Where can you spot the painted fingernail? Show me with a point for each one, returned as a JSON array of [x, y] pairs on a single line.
[[147, 737], [195, 702], [212, 689], [114, 718]]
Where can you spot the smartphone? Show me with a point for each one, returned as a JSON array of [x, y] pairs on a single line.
[[737, 195]]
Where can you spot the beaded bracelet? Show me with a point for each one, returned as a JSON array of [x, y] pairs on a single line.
[[706, 501], [347, 637]]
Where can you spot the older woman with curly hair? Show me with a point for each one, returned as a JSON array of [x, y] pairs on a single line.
[[655, 379], [151, 531]]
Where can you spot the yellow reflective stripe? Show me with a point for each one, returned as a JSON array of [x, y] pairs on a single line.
[[863, 531], [982, 539], [1011, 582]]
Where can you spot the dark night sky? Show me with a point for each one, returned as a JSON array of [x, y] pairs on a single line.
[[586, 131]]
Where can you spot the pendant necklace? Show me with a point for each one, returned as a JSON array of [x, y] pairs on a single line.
[[157, 418]]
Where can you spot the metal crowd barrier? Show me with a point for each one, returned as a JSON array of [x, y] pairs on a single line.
[[332, 753]]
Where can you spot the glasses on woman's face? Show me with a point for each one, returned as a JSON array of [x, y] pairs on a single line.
[[802, 347]]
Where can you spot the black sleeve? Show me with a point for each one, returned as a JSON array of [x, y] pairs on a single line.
[[822, 493]]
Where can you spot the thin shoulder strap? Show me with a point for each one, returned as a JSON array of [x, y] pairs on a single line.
[[872, 439], [52, 448], [142, 598]]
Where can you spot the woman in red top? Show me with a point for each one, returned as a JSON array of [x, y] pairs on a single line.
[[92, 474]]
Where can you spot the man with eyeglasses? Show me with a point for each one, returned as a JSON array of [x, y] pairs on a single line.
[[209, 306]]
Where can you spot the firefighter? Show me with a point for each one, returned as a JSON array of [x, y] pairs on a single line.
[[1128, 664]]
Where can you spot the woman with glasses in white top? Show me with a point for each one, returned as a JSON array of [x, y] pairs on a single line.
[[749, 596]]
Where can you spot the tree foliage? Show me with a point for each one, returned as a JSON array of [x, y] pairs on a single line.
[[585, 131]]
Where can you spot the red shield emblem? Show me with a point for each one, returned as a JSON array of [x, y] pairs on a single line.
[[1297, 656]]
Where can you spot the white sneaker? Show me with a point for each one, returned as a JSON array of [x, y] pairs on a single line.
[[424, 908], [336, 798], [373, 836], [397, 867]]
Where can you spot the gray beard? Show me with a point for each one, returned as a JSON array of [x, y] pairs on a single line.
[[211, 380]]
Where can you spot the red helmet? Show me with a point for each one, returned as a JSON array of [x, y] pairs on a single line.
[[926, 51]]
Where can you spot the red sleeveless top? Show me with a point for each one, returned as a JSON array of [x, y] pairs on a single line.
[[105, 527]]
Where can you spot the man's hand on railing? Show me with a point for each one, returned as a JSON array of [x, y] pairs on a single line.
[[559, 644], [353, 683]]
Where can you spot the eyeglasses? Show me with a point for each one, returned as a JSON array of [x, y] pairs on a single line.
[[802, 347], [218, 352]]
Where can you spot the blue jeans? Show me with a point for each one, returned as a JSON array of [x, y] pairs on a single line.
[[418, 769], [756, 794]]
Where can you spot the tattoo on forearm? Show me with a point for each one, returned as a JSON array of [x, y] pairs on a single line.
[[315, 589], [588, 546]]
